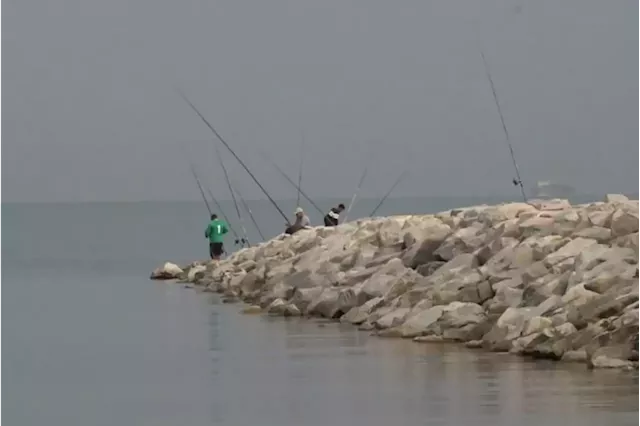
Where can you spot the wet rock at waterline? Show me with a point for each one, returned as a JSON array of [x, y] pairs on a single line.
[[169, 271], [544, 279]]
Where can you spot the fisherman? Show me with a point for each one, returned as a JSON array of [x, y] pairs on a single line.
[[301, 222], [215, 233], [331, 218]]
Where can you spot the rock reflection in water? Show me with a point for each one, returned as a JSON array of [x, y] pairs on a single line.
[[295, 372]]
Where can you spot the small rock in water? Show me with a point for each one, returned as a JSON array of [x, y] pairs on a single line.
[[253, 309], [474, 344], [168, 271], [428, 339]]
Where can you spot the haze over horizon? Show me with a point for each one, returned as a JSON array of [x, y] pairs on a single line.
[[90, 112]]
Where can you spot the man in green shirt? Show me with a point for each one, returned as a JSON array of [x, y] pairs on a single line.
[[215, 233]]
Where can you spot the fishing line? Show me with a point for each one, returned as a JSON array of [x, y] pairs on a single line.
[[396, 183], [184, 97], [248, 209], [355, 194], [282, 172], [518, 180], [233, 197]]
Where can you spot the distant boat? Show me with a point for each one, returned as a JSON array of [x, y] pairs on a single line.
[[547, 189]]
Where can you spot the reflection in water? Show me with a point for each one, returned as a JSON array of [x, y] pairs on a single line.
[[294, 372]]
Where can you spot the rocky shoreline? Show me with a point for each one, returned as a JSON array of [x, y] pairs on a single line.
[[544, 279]]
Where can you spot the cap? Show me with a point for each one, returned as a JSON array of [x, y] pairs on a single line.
[[299, 210]]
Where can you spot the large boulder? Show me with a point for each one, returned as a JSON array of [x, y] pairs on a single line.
[[304, 240], [611, 357], [168, 271], [555, 204], [359, 314], [462, 322], [429, 268], [599, 253], [624, 222], [281, 307], [615, 198], [419, 322], [467, 286], [378, 285], [417, 228], [568, 251], [598, 233], [544, 287], [325, 303], [503, 212], [250, 284], [507, 328], [505, 297], [196, 273], [302, 297], [390, 233], [602, 306], [538, 224], [578, 296], [423, 251], [392, 319], [464, 240], [348, 298]]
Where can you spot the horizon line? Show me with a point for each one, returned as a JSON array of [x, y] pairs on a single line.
[[195, 200]]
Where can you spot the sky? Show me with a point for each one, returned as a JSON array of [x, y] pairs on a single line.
[[90, 111]]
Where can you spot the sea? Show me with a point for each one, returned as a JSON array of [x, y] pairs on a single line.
[[89, 340]]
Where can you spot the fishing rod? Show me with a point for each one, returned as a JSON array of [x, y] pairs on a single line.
[[396, 183], [518, 180], [233, 197], [355, 194], [184, 97], [196, 178], [200, 187], [284, 175], [248, 209], [300, 170]]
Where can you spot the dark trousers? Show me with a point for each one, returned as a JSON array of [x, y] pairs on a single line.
[[215, 250], [328, 221]]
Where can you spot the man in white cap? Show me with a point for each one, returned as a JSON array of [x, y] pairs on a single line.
[[302, 221]]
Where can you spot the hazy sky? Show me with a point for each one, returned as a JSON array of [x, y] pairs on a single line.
[[89, 111]]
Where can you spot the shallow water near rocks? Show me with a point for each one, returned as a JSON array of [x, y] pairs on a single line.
[[89, 340]]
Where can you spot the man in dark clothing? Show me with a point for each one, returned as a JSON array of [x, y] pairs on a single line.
[[331, 218]]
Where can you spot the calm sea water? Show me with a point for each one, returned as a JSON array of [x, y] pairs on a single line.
[[89, 340]]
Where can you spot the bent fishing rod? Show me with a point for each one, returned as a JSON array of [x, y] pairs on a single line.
[[396, 183], [264, 191], [233, 197], [194, 173], [355, 194], [284, 175], [248, 209], [518, 180]]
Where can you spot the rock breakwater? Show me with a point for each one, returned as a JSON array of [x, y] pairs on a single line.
[[544, 279]]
